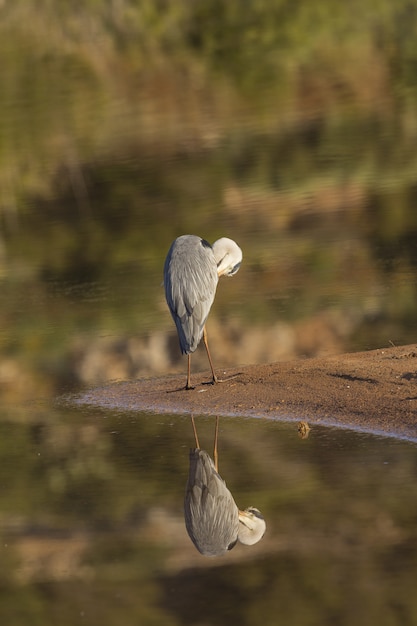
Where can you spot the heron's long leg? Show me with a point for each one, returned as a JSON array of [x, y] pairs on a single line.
[[215, 379], [215, 452], [188, 385], [197, 443]]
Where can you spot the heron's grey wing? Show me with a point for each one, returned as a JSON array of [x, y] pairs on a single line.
[[190, 279], [211, 514]]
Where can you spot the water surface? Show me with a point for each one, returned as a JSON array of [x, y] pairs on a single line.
[[92, 523], [122, 126]]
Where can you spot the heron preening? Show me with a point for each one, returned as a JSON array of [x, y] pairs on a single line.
[[191, 272], [213, 521]]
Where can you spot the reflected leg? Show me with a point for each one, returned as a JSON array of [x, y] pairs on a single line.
[[197, 443], [215, 452]]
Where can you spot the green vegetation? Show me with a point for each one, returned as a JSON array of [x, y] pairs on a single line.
[[87, 83], [291, 126]]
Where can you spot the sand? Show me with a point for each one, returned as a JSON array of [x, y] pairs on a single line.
[[373, 391]]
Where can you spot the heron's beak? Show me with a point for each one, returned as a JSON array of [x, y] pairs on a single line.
[[228, 271], [251, 526], [234, 269], [249, 517]]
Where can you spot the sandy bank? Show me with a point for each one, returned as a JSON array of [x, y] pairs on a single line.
[[375, 391]]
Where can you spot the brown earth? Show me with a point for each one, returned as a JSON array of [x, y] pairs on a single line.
[[374, 391]]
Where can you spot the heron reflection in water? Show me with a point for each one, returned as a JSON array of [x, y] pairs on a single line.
[[191, 273], [213, 521]]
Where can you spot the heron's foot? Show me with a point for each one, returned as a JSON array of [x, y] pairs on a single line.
[[225, 380], [215, 379], [185, 388]]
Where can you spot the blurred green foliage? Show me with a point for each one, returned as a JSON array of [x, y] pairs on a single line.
[[283, 95], [123, 123], [290, 126], [85, 82]]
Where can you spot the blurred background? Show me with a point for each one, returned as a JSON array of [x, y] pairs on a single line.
[[290, 127]]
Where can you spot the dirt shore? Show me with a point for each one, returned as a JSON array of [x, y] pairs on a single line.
[[375, 391]]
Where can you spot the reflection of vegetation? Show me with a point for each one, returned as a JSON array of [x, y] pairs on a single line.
[[340, 541], [294, 126], [122, 124]]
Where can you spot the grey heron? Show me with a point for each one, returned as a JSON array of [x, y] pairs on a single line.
[[191, 272], [213, 521]]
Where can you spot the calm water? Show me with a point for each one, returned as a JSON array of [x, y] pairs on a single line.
[[123, 126], [92, 527]]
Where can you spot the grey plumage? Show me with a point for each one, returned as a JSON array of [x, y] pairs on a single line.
[[211, 514], [191, 273], [190, 279]]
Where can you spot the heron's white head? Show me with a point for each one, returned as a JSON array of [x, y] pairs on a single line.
[[228, 256], [251, 526]]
